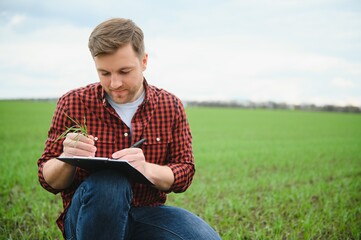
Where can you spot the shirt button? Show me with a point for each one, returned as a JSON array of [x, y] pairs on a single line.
[[125, 134], [158, 139]]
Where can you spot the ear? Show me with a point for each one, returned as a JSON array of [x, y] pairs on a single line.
[[145, 61]]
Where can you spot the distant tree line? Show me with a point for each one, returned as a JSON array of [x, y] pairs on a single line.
[[274, 105], [247, 105]]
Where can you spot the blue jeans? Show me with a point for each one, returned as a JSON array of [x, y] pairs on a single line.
[[101, 209]]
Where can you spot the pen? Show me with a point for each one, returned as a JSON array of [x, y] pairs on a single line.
[[137, 144]]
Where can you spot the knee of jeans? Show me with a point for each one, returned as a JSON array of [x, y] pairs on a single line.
[[108, 184]]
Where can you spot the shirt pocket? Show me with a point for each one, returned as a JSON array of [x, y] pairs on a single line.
[[104, 138], [156, 147]]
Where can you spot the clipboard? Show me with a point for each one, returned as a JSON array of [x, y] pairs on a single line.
[[93, 164]]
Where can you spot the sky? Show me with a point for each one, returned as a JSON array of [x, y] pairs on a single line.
[[289, 51]]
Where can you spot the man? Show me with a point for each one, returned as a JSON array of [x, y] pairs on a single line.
[[117, 112]]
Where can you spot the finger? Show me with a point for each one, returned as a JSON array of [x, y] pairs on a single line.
[[90, 137], [69, 143], [78, 152], [80, 137], [126, 152]]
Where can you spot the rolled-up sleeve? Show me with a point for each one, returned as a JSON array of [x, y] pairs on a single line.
[[52, 148], [181, 155]]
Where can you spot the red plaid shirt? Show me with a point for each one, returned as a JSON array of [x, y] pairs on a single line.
[[160, 119]]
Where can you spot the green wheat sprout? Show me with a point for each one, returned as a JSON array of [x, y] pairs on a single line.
[[79, 128]]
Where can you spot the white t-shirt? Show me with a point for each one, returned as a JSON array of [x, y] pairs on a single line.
[[126, 111]]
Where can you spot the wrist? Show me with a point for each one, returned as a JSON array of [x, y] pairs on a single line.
[[161, 176]]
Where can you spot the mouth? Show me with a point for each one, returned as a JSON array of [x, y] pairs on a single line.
[[118, 90]]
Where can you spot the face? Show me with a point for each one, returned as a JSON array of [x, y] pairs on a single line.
[[121, 74]]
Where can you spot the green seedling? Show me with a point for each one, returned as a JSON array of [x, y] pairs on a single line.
[[80, 129]]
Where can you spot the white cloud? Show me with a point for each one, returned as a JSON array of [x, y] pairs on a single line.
[[242, 69], [342, 83], [292, 51], [16, 20], [49, 61]]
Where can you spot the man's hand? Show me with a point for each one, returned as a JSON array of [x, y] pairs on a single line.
[[58, 174], [134, 156], [161, 176], [76, 144]]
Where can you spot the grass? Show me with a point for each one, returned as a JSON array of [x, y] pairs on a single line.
[[260, 174], [27, 211]]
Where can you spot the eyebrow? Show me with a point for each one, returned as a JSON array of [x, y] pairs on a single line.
[[120, 69]]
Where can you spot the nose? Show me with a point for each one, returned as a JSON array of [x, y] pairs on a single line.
[[116, 81]]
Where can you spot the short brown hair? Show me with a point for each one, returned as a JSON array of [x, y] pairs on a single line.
[[114, 33]]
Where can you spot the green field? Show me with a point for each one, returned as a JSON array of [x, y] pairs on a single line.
[[260, 174]]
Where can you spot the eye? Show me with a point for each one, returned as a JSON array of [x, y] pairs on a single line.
[[104, 73], [125, 71]]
